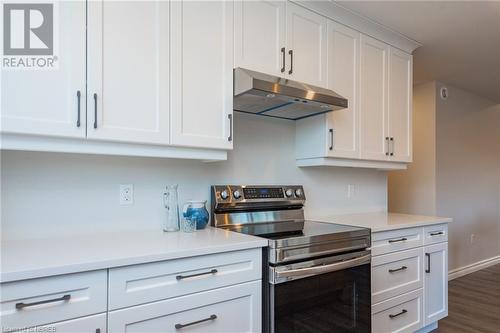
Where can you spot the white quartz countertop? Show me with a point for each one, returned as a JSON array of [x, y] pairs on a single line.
[[385, 221], [27, 259]]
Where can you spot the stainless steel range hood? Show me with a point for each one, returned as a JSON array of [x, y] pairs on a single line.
[[272, 96]]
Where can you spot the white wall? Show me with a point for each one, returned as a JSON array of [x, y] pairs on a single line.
[[468, 174], [47, 193], [456, 171]]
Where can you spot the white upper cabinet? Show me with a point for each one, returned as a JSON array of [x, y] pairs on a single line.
[[202, 73], [373, 99], [400, 105], [306, 45], [50, 102], [128, 71], [281, 38], [343, 78], [259, 33]]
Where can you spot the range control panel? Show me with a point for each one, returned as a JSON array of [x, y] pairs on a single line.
[[250, 193]]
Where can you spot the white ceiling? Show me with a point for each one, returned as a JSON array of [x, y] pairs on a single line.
[[461, 39]]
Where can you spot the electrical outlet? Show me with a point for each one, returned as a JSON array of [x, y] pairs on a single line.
[[473, 238], [351, 190], [126, 194]]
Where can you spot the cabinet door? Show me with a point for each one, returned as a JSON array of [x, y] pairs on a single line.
[[226, 310], [436, 282], [400, 105], [259, 28], [45, 102], [343, 78], [306, 45], [91, 324], [128, 71], [202, 73], [373, 99]]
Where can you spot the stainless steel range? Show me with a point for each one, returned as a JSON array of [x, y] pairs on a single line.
[[316, 276]]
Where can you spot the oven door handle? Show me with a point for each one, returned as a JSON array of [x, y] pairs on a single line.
[[321, 269]]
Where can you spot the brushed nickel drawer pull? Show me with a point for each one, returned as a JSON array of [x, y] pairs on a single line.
[[21, 306], [179, 326], [398, 240], [180, 277], [402, 268], [392, 316], [436, 233]]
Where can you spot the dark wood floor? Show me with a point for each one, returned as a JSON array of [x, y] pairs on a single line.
[[474, 303]]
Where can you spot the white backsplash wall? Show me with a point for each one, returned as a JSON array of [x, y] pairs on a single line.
[[50, 193]]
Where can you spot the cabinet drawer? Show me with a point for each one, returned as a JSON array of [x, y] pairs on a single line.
[[396, 273], [396, 240], [226, 310], [151, 282], [52, 299], [91, 324], [436, 234], [402, 314]]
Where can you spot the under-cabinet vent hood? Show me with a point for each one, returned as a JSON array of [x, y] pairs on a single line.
[[272, 96]]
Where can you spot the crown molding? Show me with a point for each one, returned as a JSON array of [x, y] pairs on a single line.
[[363, 24]]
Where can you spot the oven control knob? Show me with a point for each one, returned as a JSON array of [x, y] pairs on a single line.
[[298, 192], [289, 193], [236, 194], [224, 195]]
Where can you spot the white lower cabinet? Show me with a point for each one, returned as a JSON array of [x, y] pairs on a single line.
[[208, 293], [91, 324], [226, 310], [402, 314], [53, 299], [396, 273], [436, 282], [409, 278]]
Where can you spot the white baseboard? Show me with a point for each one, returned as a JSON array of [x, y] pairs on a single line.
[[464, 270]]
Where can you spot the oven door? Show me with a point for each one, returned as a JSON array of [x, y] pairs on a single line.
[[330, 294]]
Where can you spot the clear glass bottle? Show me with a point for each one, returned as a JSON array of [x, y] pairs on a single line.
[[170, 200]]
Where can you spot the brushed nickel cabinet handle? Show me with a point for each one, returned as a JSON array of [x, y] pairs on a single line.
[[392, 146], [78, 95], [181, 277], [95, 110], [230, 137], [402, 268], [179, 326], [387, 148], [284, 56], [398, 314], [291, 61], [20, 306]]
